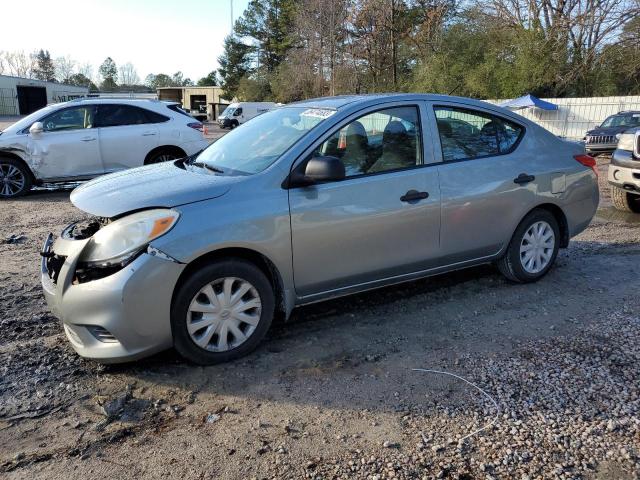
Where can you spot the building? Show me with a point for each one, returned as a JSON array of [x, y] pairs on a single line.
[[202, 102], [22, 96]]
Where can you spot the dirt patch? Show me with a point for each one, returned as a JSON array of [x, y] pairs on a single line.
[[332, 394]]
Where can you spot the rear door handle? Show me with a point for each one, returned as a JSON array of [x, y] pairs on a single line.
[[523, 178], [88, 139], [148, 134], [413, 196]]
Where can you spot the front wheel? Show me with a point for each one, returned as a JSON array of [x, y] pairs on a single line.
[[533, 248], [625, 201], [15, 178], [222, 312]]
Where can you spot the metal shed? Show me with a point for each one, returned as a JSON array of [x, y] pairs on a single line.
[[21, 96]]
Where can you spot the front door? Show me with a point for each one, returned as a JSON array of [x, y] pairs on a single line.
[[69, 146], [482, 200], [127, 135], [382, 221]]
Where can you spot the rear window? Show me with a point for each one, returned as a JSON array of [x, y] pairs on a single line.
[[176, 108]]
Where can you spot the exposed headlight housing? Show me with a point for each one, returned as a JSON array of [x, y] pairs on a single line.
[[122, 239], [625, 141]]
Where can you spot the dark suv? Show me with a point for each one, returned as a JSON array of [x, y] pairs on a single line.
[[603, 139]]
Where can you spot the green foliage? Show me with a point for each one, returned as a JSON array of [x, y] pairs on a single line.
[[109, 73], [235, 64], [211, 80], [288, 50], [81, 80], [44, 68]]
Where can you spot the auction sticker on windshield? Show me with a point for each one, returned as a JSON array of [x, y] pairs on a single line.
[[318, 113]]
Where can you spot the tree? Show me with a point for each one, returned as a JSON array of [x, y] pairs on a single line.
[[64, 67], [81, 80], [235, 64], [109, 73], [128, 75], [270, 24], [44, 68], [211, 80]]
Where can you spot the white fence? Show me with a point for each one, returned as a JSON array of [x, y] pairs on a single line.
[[577, 115]]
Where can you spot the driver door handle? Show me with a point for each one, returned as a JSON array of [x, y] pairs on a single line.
[[88, 139], [414, 196], [148, 134], [523, 178]]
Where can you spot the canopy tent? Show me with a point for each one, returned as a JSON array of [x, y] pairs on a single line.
[[528, 100]]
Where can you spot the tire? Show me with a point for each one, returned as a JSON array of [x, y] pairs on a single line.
[[625, 201], [164, 155], [216, 318], [514, 265], [234, 124], [15, 178]]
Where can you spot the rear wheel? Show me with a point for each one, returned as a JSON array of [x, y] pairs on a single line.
[[222, 312], [533, 248], [15, 178], [625, 201]]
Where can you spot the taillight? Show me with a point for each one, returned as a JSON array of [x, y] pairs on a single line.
[[195, 126], [587, 161]]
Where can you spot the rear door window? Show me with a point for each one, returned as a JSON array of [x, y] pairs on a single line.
[[118, 115], [467, 134]]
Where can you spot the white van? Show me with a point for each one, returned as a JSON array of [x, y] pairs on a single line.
[[238, 113]]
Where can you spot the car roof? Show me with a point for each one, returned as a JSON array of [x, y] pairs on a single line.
[[342, 101], [132, 101]]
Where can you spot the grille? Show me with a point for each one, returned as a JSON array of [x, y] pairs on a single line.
[[101, 334], [602, 139]]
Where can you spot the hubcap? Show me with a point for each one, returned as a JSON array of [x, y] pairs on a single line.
[[537, 247], [11, 180], [223, 314]]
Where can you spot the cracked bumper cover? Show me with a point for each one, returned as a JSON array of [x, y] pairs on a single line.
[[133, 304]]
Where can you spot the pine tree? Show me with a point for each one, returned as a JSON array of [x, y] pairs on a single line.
[[109, 72], [44, 68], [235, 63]]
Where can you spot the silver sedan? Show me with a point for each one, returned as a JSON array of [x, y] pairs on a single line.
[[310, 201]]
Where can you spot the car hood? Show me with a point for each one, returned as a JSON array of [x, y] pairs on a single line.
[[161, 185], [607, 131]]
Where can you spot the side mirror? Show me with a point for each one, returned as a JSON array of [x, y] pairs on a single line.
[[36, 129], [319, 170]]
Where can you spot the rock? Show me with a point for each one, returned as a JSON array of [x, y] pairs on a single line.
[[212, 418]]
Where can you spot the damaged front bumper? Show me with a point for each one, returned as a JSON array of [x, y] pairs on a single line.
[[120, 317]]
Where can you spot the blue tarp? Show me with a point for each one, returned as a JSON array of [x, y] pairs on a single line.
[[528, 101]]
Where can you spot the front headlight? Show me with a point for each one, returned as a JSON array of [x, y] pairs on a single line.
[[625, 142], [120, 240]]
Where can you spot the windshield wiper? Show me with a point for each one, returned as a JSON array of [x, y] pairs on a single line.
[[207, 166]]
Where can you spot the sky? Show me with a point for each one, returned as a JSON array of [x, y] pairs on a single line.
[[156, 36]]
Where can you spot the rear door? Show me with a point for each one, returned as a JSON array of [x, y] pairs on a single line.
[[383, 220], [127, 134], [487, 184], [68, 147]]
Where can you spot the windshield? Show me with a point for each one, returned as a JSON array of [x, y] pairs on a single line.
[[228, 111], [622, 121], [258, 143]]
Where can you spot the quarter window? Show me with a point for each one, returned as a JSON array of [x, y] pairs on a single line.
[[466, 134], [377, 142], [69, 119]]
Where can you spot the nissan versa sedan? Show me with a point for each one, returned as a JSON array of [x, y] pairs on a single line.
[[310, 201]]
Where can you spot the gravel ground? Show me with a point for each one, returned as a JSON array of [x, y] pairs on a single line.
[[333, 393]]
